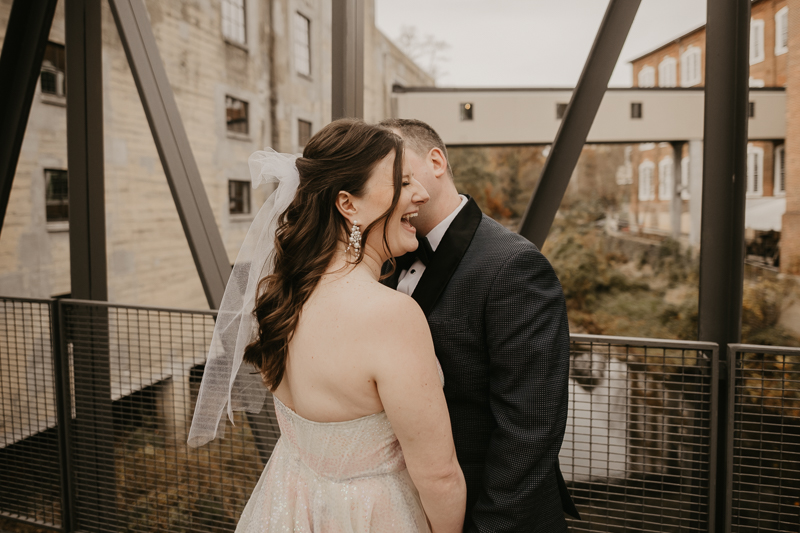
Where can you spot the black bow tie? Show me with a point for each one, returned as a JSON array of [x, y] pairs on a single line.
[[424, 253]]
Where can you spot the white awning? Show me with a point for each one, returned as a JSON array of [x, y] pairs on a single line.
[[764, 214]]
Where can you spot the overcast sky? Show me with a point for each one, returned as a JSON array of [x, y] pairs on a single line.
[[531, 43]]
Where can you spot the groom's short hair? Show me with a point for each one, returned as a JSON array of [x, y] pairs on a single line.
[[419, 136]]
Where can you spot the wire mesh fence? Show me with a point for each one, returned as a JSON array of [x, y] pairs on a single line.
[[766, 439], [638, 445], [30, 477], [96, 401]]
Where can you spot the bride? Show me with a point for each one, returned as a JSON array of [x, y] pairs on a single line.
[[365, 443]]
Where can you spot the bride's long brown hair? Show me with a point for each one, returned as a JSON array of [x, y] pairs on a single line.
[[340, 157]]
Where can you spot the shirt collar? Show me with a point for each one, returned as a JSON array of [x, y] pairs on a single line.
[[436, 234]]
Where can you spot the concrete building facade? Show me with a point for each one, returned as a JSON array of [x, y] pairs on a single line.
[[246, 74]]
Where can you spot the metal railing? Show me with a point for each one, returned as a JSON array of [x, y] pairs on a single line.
[[96, 401]]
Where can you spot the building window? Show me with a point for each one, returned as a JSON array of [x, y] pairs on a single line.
[[668, 72], [56, 195], [780, 171], [303, 132], [685, 195], [756, 41], [666, 179], [755, 171], [646, 189], [782, 31], [561, 109], [647, 76], [302, 44], [636, 110], [751, 109], [691, 72], [238, 197], [233, 21], [53, 69], [466, 111], [236, 115]]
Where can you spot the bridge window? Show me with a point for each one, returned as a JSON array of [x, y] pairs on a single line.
[[690, 67], [466, 111], [302, 44], [636, 110], [561, 109], [751, 109], [647, 76], [782, 31], [646, 190], [667, 72], [303, 132], [780, 171], [238, 197], [666, 178], [53, 68], [233, 21], [755, 171], [236, 115], [56, 195], [756, 41]]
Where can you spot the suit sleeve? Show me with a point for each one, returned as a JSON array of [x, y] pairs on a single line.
[[528, 344]]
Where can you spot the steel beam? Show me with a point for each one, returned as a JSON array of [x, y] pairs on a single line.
[[724, 188], [20, 63], [578, 120], [172, 143], [347, 89]]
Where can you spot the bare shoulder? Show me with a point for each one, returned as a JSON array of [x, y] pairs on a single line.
[[388, 311]]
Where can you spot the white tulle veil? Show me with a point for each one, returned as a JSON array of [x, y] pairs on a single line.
[[226, 384]]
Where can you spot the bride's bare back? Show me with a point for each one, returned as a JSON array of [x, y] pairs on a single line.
[[338, 350]]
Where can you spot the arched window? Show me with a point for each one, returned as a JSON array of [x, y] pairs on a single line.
[[666, 178], [647, 76], [667, 72], [755, 171], [646, 189], [780, 171], [691, 73], [782, 31]]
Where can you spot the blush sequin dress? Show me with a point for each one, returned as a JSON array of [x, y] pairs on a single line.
[[334, 477]]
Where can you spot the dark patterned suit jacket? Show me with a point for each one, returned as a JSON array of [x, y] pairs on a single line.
[[499, 324]]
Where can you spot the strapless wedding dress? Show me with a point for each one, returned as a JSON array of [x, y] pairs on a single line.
[[334, 477]]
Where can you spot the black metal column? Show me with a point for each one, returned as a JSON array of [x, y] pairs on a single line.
[[93, 427], [20, 63], [172, 143], [724, 187], [578, 120], [348, 59]]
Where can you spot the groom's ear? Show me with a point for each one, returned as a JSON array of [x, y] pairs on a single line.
[[345, 205], [438, 162]]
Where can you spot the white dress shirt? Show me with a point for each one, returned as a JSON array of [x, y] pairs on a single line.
[[408, 279]]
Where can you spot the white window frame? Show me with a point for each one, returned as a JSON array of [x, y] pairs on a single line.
[[779, 174], [646, 190], [685, 194], [755, 171], [302, 44], [647, 76], [691, 67], [666, 178], [756, 41], [782, 31], [668, 72], [234, 21]]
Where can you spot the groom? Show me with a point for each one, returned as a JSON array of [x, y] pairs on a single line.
[[499, 324]]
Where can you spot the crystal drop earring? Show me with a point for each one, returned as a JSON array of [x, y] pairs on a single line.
[[355, 238]]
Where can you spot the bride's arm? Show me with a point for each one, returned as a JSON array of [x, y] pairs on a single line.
[[408, 383]]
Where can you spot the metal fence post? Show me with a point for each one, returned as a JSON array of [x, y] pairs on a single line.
[[61, 368]]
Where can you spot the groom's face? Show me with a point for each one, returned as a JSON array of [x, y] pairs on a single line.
[[421, 168]]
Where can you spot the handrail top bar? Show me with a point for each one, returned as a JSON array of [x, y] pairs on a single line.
[[211, 312], [757, 348], [23, 299], [645, 342]]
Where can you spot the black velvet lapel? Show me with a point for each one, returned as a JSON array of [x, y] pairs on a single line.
[[447, 257]]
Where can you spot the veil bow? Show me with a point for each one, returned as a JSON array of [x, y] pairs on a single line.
[[225, 383]]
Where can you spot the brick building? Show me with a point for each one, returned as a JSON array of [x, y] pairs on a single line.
[[680, 64], [246, 74]]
